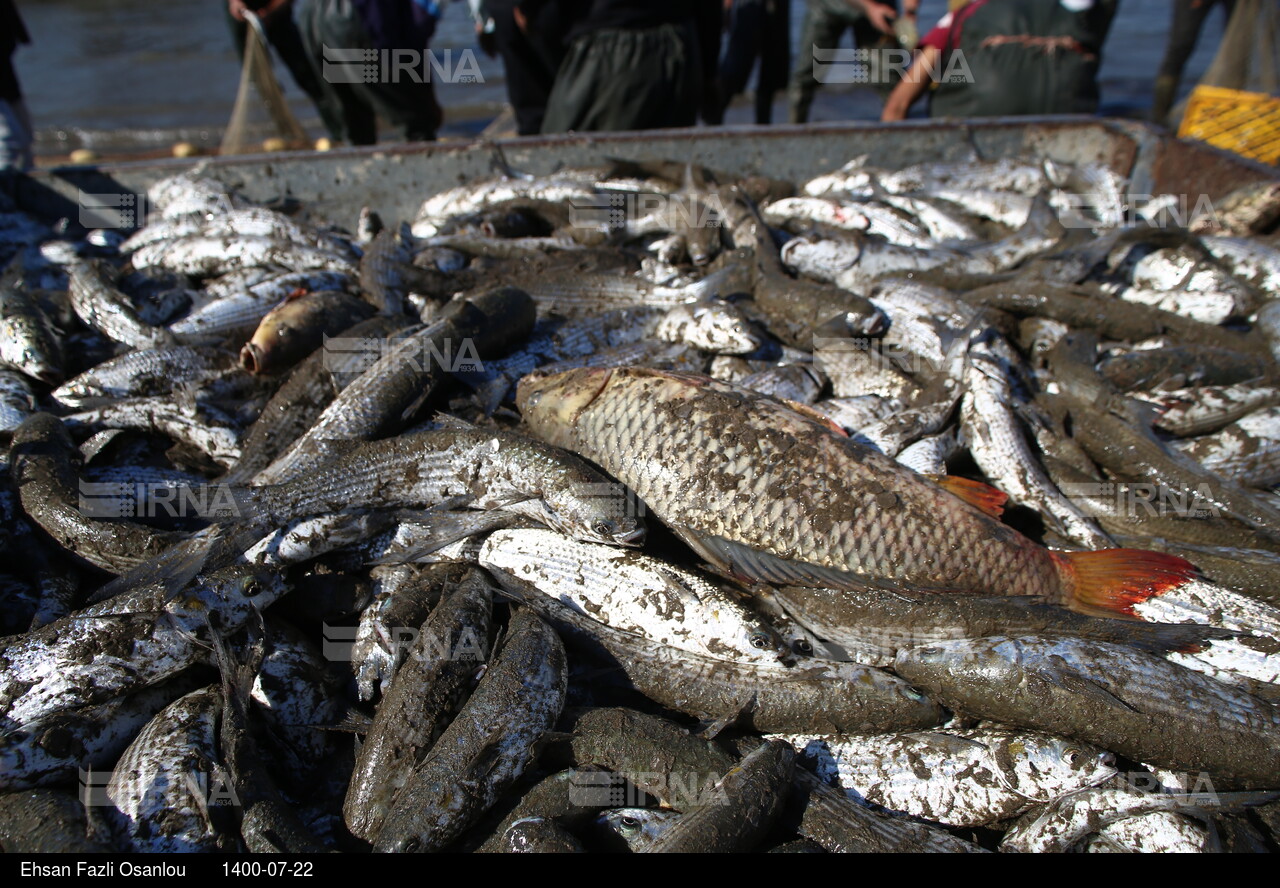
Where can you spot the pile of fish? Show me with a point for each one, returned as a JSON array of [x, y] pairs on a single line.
[[643, 507]]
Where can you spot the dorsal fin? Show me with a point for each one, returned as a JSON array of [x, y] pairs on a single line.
[[981, 496]]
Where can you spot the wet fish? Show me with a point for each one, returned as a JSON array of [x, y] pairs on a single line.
[[564, 799], [443, 665], [124, 644], [1073, 817], [539, 835], [211, 255], [487, 747], [843, 826], [999, 446], [962, 778], [731, 472], [638, 828], [399, 377], [185, 419], [753, 798], [636, 593], [52, 494], [246, 303], [17, 400], [105, 309], [291, 331], [27, 342], [57, 748], [309, 389], [652, 753], [485, 469], [1247, 451], [714, 326], [813, 695], [873, 625], [171, 784], [1108, 695], [143, 373]]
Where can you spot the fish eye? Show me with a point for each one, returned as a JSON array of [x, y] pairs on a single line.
[[629, 823], [604, 528], [761, 641], [412, 845], [252, 589], [802, 646], [1072, 756], [913, 694]]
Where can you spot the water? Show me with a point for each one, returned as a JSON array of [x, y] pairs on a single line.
[[133, 74]]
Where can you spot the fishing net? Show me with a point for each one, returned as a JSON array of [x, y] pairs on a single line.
[[1235, 105], [1247, 58], [260, 111]]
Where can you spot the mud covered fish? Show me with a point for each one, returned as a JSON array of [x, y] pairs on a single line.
[[768, 494]]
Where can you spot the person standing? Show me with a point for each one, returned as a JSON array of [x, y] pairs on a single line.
[[992, 58], [335, 32], [1188, 20], [628, 65], [758, 29], [16, 134], [529, 62], [282, 33], [825, 21]]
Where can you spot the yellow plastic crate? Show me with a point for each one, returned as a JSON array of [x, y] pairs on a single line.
[[1244, 122]]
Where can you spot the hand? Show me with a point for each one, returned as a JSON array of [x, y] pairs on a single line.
[[237, 9], [881, 16], [521, 22], [272, 10]]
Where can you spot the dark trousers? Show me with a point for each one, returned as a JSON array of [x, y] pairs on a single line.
[[408, 105], [529, 67], [1188, 20], [758, 29], [617, 79], [825, 22]]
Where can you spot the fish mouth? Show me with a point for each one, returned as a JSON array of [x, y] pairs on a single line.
[[631, 537], [251, 358]]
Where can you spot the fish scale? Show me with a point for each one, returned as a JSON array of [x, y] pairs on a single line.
[[635, 593], [715, 461], [964, 778], [1134, 704]]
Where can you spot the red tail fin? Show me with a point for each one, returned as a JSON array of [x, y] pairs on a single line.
[[1108, 583]]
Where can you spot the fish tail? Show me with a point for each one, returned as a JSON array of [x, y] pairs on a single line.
[[1109, 582]]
